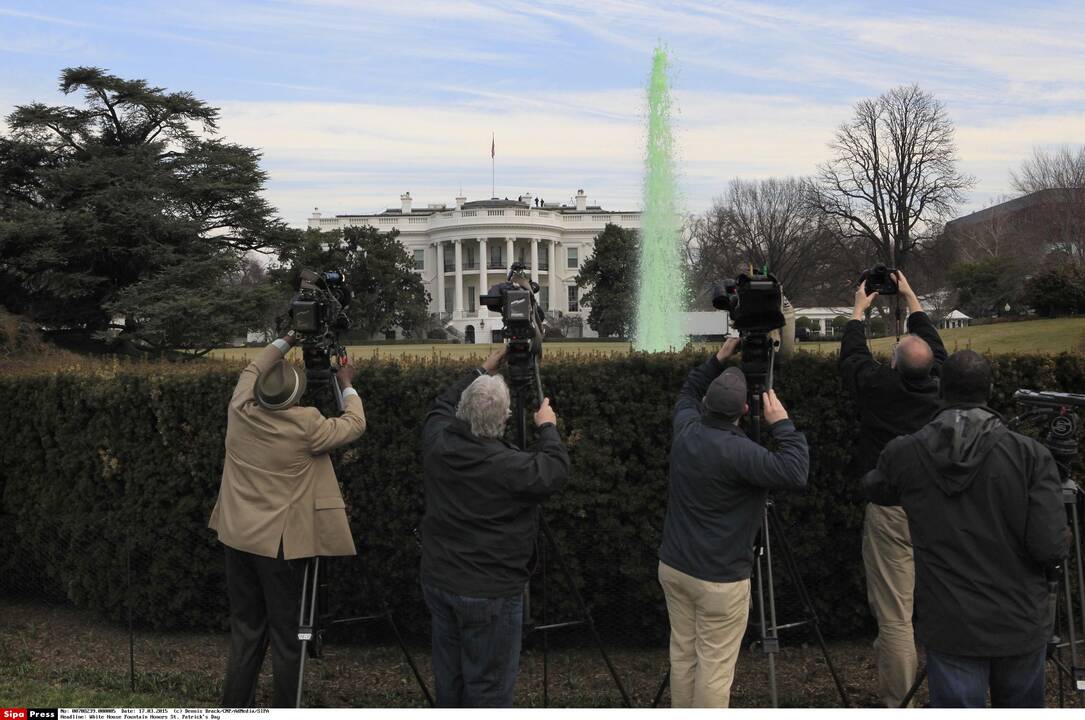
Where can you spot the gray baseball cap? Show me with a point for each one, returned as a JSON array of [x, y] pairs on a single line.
[[726, 395]]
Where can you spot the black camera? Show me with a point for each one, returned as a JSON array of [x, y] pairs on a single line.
[[880, 279], [318, 310], [318, 313], [523, 318], [754, 302]]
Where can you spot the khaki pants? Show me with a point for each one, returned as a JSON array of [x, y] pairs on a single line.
[[708, 620], [890, 583]]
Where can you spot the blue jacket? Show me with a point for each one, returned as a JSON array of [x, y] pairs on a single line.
[[718, 482]]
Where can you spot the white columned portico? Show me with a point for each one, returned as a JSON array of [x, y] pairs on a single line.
[[553, 264], [482, 286], [458, 300], [440, 277], [535, 260], [508, 254]]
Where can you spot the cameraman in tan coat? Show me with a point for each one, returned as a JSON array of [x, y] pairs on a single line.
[[279, 505]]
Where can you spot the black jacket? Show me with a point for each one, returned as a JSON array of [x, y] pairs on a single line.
[[717, 485], [986, 515], [479, 529], [889, 404]]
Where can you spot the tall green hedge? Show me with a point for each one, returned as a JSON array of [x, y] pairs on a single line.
[[113, 470]]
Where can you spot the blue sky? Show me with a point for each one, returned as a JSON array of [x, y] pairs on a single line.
[[353, 102]]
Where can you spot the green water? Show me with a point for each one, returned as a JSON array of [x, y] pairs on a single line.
[[661, 285]]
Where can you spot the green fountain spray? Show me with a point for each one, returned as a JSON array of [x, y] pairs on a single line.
[[661, 286]]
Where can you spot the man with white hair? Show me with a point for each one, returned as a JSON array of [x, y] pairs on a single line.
[[893, 400], [478, 533]]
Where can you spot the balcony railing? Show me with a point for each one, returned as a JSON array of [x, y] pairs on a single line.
[[449, 267], [496, 265], [470, 265]]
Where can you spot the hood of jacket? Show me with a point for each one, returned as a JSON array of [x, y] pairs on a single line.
[[956, 443]]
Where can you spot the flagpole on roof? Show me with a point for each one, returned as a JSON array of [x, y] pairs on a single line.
[[493, 185]]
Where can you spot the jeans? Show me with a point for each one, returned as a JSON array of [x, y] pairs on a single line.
[[476, 647], [956, 681]]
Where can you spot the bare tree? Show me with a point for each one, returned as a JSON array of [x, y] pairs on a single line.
[[763, 223], [1060, 169], [893, 176], [707, 251], [775, 227], [1058, 216]]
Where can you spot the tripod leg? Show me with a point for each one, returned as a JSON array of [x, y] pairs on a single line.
[[1077, 662], [792, 567], [919, 678], [626, 700], [407, 654], [386, 611], [662, 686], [546, 622], [770, 643], [309, 585]]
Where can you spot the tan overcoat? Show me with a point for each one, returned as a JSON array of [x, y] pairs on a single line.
[[278, 482]]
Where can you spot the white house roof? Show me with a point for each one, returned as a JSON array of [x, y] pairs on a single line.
[[957, 315]]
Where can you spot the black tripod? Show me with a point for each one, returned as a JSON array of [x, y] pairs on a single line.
[[758, 352], [1055, 410], [311, 624], [525, 379]]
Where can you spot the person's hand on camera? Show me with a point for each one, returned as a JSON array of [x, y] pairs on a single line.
[[345, 375], [493, 362], [730, 347], [545, 414], [902, 284], [290, 338], [907, 292], [773, 408], [862, 301]]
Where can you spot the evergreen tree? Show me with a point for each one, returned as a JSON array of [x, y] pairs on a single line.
[[609, 276], [132, 188]]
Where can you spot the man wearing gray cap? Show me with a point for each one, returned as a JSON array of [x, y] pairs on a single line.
[[279, 504], [717, 486]]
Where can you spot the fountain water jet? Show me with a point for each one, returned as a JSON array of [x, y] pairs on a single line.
[[661, 286]]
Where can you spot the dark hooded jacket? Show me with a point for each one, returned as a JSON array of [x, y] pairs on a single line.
[[478, 533], [718, 482], [985, 511], [889, 403]]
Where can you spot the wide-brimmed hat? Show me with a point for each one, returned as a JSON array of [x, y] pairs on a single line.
[[280, 387]]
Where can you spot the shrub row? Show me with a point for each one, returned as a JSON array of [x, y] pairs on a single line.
[[113, 467]]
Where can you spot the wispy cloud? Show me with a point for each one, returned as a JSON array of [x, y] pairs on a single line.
[[354, 101]]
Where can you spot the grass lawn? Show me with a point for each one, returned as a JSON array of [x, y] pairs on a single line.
[[1034, 336], [57, 656]]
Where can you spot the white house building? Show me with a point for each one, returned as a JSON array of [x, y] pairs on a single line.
[[462, 251], [823, 317]]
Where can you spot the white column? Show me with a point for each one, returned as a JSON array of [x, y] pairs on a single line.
[[508, 253], [482, 286], [554, 293], [535, 260], [440, 276], [458, 304]]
